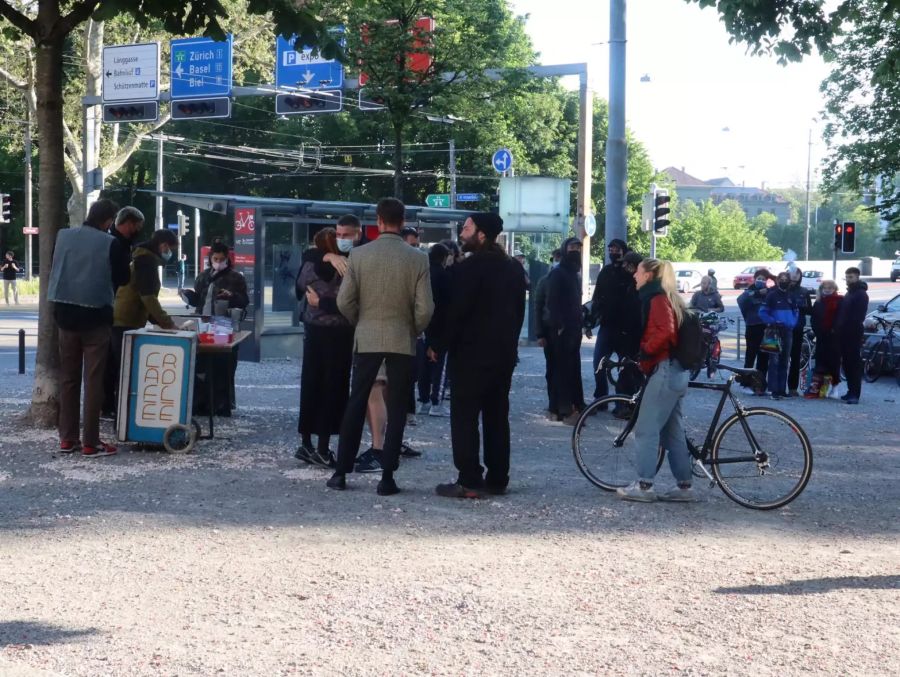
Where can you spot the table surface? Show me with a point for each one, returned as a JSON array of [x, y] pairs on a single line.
[[223, 347]]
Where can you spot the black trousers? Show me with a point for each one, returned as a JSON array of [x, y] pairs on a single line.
[[483, 391], [754, 336], [567, 372], [112, 373], [365, 369], [793, 381], [324, 378], [552, 404], [851, 361], [430, 376]]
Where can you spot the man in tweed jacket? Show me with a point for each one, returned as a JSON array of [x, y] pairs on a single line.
[[386, 294]]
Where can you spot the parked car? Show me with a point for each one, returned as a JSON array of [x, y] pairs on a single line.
[[895, 268], [890, 311], [687, 280], [812, 279], [745, 278]]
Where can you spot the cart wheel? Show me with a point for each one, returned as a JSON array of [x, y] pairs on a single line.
[[179, 439], [198, 431]]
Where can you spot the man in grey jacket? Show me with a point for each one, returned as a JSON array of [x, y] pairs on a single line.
[[386, 294]]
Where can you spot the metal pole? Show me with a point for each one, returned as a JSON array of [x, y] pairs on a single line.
[[739, 339], [652, 242], [27, 201], [583, 199], [21, 351], [196, 243], [616, 148], [452, 174], [159, 184], [808, 172]]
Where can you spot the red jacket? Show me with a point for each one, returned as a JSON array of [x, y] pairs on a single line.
[[660, 334]]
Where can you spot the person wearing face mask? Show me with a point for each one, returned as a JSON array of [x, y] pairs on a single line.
[[125, 229], [327, 357], [218, 288], [749, 303], [543, 333], [564, 325], [609, 308], [804, 299], [849, 331], [828, 352], [780, 313]]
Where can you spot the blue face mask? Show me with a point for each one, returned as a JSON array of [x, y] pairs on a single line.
[[344, 245], [759, 284], [166, 255]]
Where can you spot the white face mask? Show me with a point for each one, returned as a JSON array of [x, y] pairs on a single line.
[[344, 245], [219, 266]]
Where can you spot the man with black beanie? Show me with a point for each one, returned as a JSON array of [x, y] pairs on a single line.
[[565, 323], [481, 336]]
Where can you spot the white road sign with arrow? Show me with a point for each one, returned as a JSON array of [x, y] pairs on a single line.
[[131, 72]]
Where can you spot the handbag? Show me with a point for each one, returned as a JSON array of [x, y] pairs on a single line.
[[771, 342]]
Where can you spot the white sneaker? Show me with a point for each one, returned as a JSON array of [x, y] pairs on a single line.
[[633, 492], [834, 392], [424, 408], [679, 495], [438, 410], [411, 420]]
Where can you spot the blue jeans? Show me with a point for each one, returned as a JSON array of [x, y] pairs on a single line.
[[659, 422], [602, 348], [778, 363]]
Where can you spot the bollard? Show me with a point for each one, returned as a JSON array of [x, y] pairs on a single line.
[[21, 351]]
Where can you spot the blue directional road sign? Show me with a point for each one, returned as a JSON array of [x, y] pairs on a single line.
[[306, 68], [502, 160], [201, 68], [468, 197]]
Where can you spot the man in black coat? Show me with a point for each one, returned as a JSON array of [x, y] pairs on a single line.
[[481, 336], [848, 327], [609, 309], [565, 325]]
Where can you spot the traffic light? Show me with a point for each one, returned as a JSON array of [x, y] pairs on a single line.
[[495, 203], [320, 101], [848, 242], [661, 211], [4, 208], [147, 111], [198, 109], [183, 224], [838, 237], [369, 102]]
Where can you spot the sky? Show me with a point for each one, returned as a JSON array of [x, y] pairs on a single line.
[[700, 86]]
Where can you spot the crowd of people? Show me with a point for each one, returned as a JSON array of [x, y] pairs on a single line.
[[389, 328], [775, 316], [103, 283]]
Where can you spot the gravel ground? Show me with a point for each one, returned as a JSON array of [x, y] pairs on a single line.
[[236, 560]]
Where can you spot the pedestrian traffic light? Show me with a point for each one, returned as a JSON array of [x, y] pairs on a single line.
[[320, 101], [183, 224], [147, 111], [661, 211], [838, 237], [848, 242], [4, 208], [199, 109]]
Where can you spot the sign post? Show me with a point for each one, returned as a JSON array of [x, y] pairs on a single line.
[[305, 69], [131, 72], [502, 161], [438, 200], [201, 68]]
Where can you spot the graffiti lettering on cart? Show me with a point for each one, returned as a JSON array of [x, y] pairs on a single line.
[[160, 387]]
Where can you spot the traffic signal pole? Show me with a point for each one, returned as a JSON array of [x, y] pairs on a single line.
[[616, 148], [27, 201]]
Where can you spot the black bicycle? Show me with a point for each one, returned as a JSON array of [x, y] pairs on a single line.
[[761, 458], [881, 356]]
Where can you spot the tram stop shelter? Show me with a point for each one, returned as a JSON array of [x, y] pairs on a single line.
[[270, 235]]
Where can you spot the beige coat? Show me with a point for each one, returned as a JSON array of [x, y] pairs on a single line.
[[386, 294]]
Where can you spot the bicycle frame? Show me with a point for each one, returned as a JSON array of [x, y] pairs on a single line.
[[702, 454]]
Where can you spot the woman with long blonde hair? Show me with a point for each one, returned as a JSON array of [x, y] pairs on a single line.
[[659, 418]]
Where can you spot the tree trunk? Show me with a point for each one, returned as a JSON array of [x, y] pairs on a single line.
[[51, 214], [398, 160]]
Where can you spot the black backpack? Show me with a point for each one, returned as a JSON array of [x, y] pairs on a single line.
[[691, 349]]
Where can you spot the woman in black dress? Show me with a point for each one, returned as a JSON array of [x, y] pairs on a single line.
[[327, 352]]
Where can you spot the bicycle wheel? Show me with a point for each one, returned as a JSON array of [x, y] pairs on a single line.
[[874, 363], [764, 463], [594, 444], [806, 351]]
